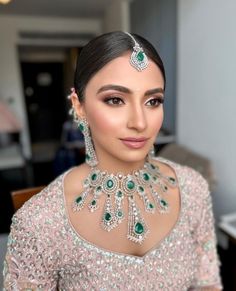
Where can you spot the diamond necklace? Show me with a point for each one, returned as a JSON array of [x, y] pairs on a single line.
[[150, 185]]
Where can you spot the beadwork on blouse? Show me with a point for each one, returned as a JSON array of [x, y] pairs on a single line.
[[45, 253]]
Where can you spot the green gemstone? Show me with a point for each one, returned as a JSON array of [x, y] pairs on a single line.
[[87, 157], [151, 205], [99, 188], [163, 203], [107, 216], [172, 179], [110, 183], [81, 127], [130, 185], [141, 189], [120, 213], [152, 166], [139, 228], [94, 202], [94, 176], [140, 56], [146, 176], [78, 199], [119, 194]]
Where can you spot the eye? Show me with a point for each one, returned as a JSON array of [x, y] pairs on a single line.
[[114, 101], [155, 102]]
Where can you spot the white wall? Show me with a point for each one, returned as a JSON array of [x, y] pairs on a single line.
[[117, 16], [10, 77], [207, 89], [156, 20]]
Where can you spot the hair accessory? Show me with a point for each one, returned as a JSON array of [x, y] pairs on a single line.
[[138, 58], [147, 183], [90, 155]]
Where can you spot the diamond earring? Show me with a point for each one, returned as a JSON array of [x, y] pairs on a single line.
[[90, 155]]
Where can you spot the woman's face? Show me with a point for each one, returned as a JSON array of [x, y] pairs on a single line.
[[124, 110]]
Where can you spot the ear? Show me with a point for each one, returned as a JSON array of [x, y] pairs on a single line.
[[77, 105]]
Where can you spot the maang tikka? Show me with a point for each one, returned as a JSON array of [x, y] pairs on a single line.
[[90, 155], [138, 58]]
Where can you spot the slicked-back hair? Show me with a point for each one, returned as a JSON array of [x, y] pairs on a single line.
[[105, 48]]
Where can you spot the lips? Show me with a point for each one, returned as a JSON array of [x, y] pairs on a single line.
[[135, 143]]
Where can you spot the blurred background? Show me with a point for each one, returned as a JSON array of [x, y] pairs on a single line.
[[39, 43]]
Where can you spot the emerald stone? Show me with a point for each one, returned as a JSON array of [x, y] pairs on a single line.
[[94, 176], [78, 199], [172, 179], [151, 205], [94, 202], [139, 228], [140, 56], [141, 189], [87, 157], [163, 203], [107, 216], [110, 183], [130, 185], [119, 194], [81, 127], [120, 213], [153, 167], [146, 176], [99, 188]]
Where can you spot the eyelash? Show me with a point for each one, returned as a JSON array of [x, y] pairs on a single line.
[[110, 101], [156, 99]]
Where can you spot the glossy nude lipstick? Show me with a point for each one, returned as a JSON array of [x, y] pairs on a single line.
[[134, 143]]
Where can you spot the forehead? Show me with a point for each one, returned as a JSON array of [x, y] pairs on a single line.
[[119, 71]]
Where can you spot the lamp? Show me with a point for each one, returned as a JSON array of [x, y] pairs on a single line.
[[4, 1]]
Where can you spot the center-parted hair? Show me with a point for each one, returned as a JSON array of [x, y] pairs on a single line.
[[105, 48]]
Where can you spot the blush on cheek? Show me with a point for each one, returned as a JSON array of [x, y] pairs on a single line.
[[157, 122], [105, 123]]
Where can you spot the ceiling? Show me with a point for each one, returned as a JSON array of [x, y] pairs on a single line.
[[62, 8]]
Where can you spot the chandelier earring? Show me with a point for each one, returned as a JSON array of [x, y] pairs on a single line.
[[82, 123], [151, 152]]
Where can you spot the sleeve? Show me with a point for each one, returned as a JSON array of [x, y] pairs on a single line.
[[208, 275], [26, 264]]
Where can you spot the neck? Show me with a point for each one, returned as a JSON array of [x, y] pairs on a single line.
[[125, 167]]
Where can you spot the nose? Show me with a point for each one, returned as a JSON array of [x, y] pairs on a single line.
[[137, 118]]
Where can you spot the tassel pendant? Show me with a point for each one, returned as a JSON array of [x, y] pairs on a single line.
[[108, 217], [80, 201], [137, 228]]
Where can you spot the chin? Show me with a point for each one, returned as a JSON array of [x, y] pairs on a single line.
[[133, 157]]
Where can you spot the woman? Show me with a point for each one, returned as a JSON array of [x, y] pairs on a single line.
[[123, 220]]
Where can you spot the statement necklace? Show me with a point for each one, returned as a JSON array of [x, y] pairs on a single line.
[[148, 183]]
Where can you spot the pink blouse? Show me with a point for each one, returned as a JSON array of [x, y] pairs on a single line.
[[45, 253]]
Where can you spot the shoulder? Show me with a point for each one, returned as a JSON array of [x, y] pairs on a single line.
[[189, 179], [42, 208]]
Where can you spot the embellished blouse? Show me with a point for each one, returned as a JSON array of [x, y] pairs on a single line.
[[46, 253]]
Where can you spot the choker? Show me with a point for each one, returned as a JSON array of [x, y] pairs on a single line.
[[147, 183]]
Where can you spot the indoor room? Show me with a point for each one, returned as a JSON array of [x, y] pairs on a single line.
[[41, 42]]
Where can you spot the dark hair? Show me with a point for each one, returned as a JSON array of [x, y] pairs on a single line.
[[103, 49]]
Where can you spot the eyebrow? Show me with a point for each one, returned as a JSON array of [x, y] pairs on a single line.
[[128, 91]]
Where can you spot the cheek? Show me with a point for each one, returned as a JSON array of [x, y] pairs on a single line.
[[156, 121], [104, 122]]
